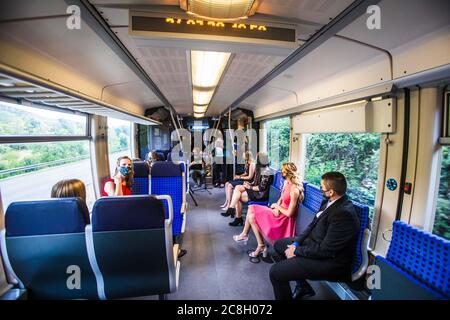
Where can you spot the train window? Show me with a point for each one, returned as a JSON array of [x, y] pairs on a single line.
[[442, 215], [278, 141], [18, 120], [119, 141], [29, 170], [356, 155]]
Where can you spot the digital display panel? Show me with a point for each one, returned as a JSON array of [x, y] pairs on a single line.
[[212, 28]]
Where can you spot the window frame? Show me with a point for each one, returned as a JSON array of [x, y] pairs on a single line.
[[444, 140], [12, 139], [266, 136]]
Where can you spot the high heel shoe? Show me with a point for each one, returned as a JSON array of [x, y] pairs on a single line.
[[237, 222], [229, 212], [240, 239], [260, 250], [224, 205]]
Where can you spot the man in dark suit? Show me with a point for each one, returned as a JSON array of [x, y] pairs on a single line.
[[324, 251]]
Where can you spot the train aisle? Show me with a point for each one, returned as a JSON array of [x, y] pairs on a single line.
[[215, 267]]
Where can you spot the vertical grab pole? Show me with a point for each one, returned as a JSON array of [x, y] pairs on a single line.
[[232, 142]]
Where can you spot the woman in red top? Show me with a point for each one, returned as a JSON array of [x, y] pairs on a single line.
[[120, 183]]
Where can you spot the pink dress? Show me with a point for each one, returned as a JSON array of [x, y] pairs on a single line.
[[274, 228]]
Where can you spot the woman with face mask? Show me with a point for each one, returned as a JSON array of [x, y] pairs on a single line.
[[120, 183]]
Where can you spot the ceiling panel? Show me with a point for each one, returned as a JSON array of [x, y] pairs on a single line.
[[401, 21], [243, 72], [81, 52], [318, 11]]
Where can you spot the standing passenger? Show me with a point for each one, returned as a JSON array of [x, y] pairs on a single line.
[[120, 183]]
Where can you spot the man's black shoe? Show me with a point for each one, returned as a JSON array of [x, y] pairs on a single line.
[[301, 292]]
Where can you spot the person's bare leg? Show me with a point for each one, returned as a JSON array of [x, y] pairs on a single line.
[[227, 196], [238, 209], [261, 245], [236, 196], [229, 193], [243, 237]]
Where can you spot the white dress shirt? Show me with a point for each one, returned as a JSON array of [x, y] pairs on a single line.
[[329, 203]]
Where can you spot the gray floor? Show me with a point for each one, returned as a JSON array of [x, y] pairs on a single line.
[[215, 267]]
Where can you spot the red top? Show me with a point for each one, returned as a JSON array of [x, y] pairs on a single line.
[[125, 190]]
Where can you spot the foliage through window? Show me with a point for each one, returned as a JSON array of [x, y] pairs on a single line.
[[278, 141], [356, 155], [28, 171], [442, 216], [18, 120]]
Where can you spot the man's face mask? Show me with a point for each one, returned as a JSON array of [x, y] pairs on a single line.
[[125, 171]]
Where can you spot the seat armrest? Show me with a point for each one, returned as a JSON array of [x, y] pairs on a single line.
[[183, 207]]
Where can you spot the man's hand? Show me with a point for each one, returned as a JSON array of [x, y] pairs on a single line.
[[289, 252]]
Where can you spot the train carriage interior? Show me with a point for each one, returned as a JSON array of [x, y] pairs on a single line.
[[190, 125]]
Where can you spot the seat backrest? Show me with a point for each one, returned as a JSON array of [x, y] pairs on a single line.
[[50, 233], [131, 247], [141, 178], [361, 257], [313, 197], [166, 178], [422, 255]]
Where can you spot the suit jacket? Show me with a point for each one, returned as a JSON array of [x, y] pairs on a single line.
[[332, 236]]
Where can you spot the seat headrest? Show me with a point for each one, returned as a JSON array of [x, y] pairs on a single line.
[[52, 216], [166, 169], [128, 213], [141, 169]]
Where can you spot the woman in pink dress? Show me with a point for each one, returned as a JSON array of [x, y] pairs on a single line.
[[278, 221]]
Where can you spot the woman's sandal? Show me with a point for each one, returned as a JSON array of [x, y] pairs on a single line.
[[240, 238], [261, 250]]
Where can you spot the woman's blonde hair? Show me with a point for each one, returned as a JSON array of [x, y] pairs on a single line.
[[290, 170], [248, 157], [129, 178], [68, 189]]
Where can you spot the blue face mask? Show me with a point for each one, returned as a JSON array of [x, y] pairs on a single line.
[[125, 171]]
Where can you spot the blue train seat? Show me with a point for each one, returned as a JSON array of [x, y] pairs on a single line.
[[131, 248], [141, 179], [416, 267], [44, 247], [168, 178], [311, 205]]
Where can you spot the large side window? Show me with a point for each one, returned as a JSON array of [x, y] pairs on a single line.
[[356, 155], [278, 141], [442, 215], [37, 149], [119, 141]]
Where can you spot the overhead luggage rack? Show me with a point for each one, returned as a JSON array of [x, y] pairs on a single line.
[[26, 89]]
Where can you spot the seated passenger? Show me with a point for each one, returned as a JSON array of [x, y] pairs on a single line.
[[197, 166], [258, 190], [278, 221], [324, 251], [249, 172], [153, 157], [120, 183], [68, 189]]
